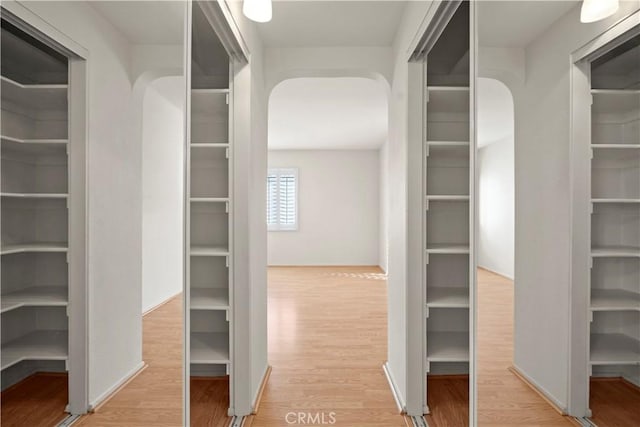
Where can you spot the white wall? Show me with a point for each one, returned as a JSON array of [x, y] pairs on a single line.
[[338, 209], [496, 177], [383, 233], [496, 200], [543, 202], [162, 190], [114, 197]]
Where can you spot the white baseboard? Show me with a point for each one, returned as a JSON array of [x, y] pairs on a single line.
[[257, 396], [111, 391], [400, 403], [559, 406]]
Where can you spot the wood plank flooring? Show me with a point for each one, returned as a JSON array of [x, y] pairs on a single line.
[[38, 400], [614, 403], [209, 402], [448, 400], [327, 341], [327, 345]]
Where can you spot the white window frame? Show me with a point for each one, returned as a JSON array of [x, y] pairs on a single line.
[[285, 171]]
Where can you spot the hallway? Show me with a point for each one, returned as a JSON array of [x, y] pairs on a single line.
[[327, 345]]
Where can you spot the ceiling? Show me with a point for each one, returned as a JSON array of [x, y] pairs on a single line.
[[164, 23], [495, 112], [328, 113], [517, 23], [332, 23]]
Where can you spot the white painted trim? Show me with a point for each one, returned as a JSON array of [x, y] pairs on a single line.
[[115, 388], [613, 34], [397, 397], [541, 390], [49, 34], [223, 23]]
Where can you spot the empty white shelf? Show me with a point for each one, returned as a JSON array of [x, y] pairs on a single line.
[[34, 247], [447, 249], [209, 251], [455, 89], [614, 300], [209, 199], [615, 100], [615, 200], [448, 297], [209, 145], [35, 195], [614, 349], [615, 252], [447, 197], [37, 345], [209, 347], [209, 299], [209, 91], [448, 346], [444, 144], [36, 97], [34, 141], [616, 146], [37, 296]]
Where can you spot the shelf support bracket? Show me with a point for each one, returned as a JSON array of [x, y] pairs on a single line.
[[226, 261]]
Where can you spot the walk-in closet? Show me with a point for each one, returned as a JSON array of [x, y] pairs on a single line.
[[42, 183], [209, 261]]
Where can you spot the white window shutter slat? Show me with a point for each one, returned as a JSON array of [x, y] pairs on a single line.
[[282, 194]]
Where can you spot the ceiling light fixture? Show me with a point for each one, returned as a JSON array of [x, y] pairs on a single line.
[[595, 10], [257, 10]]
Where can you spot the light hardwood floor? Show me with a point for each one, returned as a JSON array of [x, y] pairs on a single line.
[[327, 344], [327, 337]]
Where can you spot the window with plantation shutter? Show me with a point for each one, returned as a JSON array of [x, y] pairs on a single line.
[[282, 199]]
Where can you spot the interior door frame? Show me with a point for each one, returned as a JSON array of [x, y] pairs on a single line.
[[77, 256], [580, 190]]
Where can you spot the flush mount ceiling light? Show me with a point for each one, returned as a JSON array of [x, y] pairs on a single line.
[[595, 10], [257, 10]]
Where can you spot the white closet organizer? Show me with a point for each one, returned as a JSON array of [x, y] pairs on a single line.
[[448, 177], [209, 261], [615, 214], [34, 213]]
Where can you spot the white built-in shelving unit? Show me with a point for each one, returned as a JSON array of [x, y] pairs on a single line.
[[448, 181], [34, 201], [614, 301], [209, 205]]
